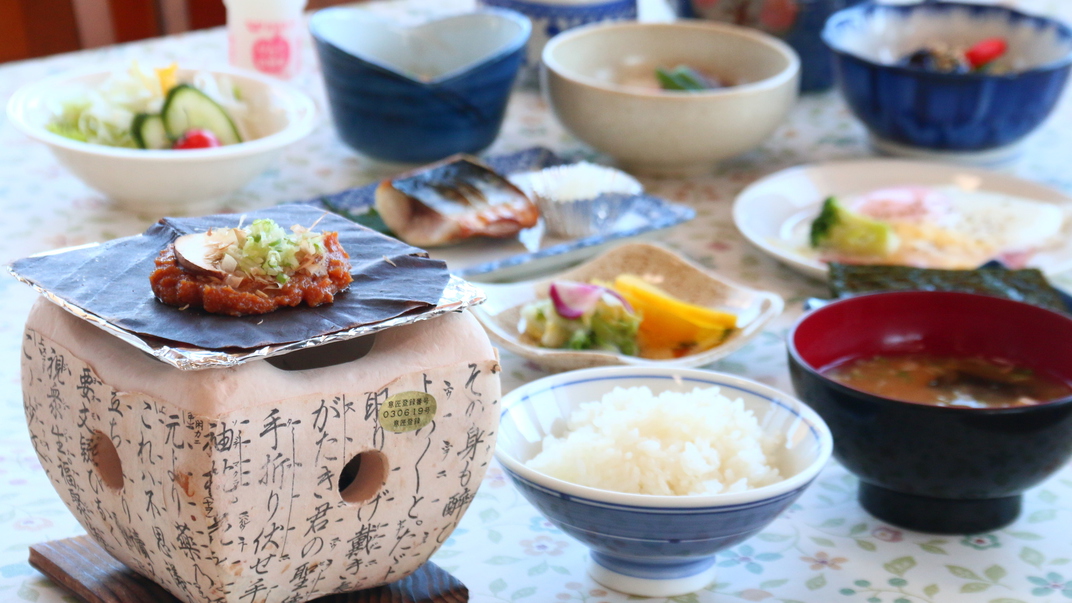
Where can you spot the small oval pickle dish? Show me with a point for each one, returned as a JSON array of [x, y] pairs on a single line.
[[689, 289]]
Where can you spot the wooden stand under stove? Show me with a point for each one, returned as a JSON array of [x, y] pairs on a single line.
[[89, 572]]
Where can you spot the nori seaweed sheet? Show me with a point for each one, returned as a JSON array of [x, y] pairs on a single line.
[[111, 280], [1025, 285]]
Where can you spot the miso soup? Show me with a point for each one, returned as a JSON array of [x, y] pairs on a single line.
[[960, 381]]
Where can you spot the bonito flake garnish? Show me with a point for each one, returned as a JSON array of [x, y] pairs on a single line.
[[265, 252]]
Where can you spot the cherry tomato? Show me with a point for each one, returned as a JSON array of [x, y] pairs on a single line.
[[986, 51], [196, 139]]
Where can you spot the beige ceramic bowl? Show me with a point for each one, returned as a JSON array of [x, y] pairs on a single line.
[[501, 314], [595, 81]]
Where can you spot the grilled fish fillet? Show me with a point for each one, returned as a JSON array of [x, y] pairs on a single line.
[[452, 200]]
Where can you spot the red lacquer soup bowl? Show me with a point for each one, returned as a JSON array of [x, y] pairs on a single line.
[[934, 468]]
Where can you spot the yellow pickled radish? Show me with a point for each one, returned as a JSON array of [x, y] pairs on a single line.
[[671, 327], [632, 286]]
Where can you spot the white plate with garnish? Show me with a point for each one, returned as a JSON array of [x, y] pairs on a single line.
[[930, 215], [703, 299]]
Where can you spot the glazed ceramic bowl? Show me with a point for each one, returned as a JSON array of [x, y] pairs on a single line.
[[932, 468], [156, 183], [418, 94], [501, 313], [660, 132], [552, 17], [655, 545], [971, 116], [799, 24]]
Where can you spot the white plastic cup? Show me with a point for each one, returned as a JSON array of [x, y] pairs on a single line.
[[266, 35]]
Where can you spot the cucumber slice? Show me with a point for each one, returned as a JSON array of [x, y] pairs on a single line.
[[149, 132], [187, 107]]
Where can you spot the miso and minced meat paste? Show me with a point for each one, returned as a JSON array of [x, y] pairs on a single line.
[[252, 270]]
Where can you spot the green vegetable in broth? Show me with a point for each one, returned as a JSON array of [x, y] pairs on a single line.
[[684, 78]]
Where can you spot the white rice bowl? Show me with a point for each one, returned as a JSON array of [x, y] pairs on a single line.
[[676, 443]]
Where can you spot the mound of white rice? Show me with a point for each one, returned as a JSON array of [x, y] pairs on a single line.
[[699, 442]]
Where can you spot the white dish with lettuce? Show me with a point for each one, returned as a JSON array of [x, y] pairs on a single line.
[[637, 304], [163, 140]]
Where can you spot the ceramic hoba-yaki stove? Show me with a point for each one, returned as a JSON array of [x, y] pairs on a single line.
[[255, 476]]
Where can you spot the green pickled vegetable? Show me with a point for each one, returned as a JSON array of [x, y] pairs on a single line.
[[610, 326]]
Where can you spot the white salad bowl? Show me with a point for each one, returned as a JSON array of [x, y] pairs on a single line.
[[169, 182], [501, 313]]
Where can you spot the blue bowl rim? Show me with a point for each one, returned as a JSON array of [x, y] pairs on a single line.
[[542, 10], [794, 354], [829, 39], [515, 45], [712, 502]]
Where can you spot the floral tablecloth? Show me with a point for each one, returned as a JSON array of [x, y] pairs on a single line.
[[825, 549]]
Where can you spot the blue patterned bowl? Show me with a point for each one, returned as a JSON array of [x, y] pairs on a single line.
[[552, 17], [420, 93], [798, 22], [655, 545], [909, 110]]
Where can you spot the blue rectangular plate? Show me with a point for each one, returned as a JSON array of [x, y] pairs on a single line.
[[499, 260]]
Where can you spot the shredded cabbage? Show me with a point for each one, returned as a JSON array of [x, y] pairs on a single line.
[[103, 114]]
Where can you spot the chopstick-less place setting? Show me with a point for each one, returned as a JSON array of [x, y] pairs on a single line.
[[534, 300]]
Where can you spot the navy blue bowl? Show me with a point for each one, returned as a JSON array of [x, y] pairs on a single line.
[[933, 468], [423, 93], [632, 540], [947, 112], [655, 545]]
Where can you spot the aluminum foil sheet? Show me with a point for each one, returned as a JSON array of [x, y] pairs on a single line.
[[457, 295]]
